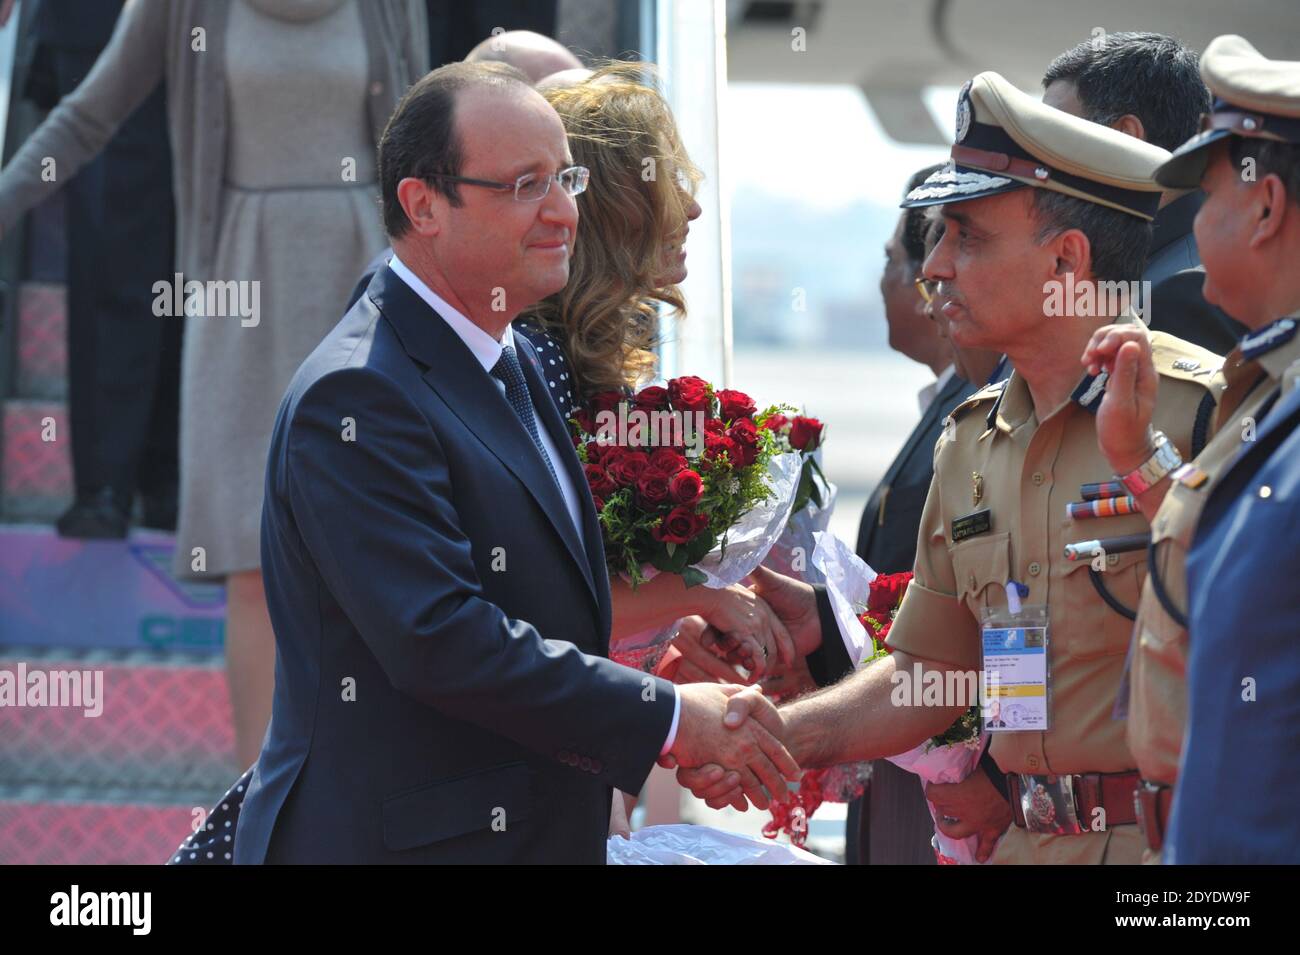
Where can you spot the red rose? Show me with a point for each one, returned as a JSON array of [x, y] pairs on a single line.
[[652, 487], [652, 398], [714, 425], [775, 422], [606, 401], [599, 502], [887, 591], [594, 452], [627, 467], [736, 404], [745, 435], [805, 433], [667, 461], [598, 480], [680, 526], [686, 487], [717, 444], [689, 393]]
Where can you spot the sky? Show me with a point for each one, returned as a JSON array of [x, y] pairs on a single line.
[[819, 143]]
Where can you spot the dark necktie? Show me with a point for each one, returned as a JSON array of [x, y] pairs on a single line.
[[507, 371]]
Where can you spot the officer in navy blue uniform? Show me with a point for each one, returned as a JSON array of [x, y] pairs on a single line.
[[1235, 792]]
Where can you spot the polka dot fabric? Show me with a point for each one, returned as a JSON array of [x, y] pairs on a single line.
[[555, 367], [214, 843]]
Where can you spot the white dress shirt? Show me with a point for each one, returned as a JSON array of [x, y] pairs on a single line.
[[487, 350]]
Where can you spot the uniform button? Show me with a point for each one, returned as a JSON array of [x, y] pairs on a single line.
[[597, 766], [585, 764], [1037, 477], [562, 756], [1034, 568], [1032, 761], [1265, 491], [573, 759]]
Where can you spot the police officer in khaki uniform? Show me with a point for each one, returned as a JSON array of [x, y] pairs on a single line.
[[1247, 107], [1037, 205]]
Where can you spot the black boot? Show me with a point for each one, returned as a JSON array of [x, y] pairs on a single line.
[[96, 515]]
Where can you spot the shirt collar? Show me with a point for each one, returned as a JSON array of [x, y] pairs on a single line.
[[484, 347], [1278, 359], [1015, 404], [925, 397]]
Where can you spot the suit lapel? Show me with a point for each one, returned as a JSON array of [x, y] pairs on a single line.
[[548, 416], [866, 536], [472, 395]]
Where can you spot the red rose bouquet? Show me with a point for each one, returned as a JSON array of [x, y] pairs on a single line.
[[679, 472]]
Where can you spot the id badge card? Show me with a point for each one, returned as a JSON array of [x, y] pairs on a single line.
[[1014, 675]]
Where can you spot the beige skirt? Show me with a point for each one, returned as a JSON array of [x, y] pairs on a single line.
[[295, 256]]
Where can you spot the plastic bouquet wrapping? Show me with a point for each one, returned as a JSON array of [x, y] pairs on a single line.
[[683, 844], [948, 758], [814, 500], [686, 480], [865, 606]]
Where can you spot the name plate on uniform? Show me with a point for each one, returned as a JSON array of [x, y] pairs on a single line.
[[978, 523]]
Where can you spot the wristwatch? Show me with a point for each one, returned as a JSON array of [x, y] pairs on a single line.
[[1164, 458]]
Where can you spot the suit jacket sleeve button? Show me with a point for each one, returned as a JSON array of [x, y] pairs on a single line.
[[585, 764], [562, 756]]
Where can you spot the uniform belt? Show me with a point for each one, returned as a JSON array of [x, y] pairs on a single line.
[[1151, 802], [1111, 792]]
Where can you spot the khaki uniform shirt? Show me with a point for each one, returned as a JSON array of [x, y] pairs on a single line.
[[1158, 690], [996, 455]]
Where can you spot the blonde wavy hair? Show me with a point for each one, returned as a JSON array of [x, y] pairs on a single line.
[[642, 185]]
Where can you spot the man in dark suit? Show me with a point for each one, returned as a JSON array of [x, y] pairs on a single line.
[[1150, 86], [433, 564]]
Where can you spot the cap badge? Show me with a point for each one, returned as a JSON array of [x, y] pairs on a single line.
[[963, 112]]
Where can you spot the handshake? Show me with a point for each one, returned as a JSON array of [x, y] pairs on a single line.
[[730, 746], [731, 741]]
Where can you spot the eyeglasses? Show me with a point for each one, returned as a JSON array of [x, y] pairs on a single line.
[[530, 187], [927, 287]]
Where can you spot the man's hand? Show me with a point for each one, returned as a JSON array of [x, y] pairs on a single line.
[[971, 807], [794, 603], [715, 784], [738, 729], [1124, 416]]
